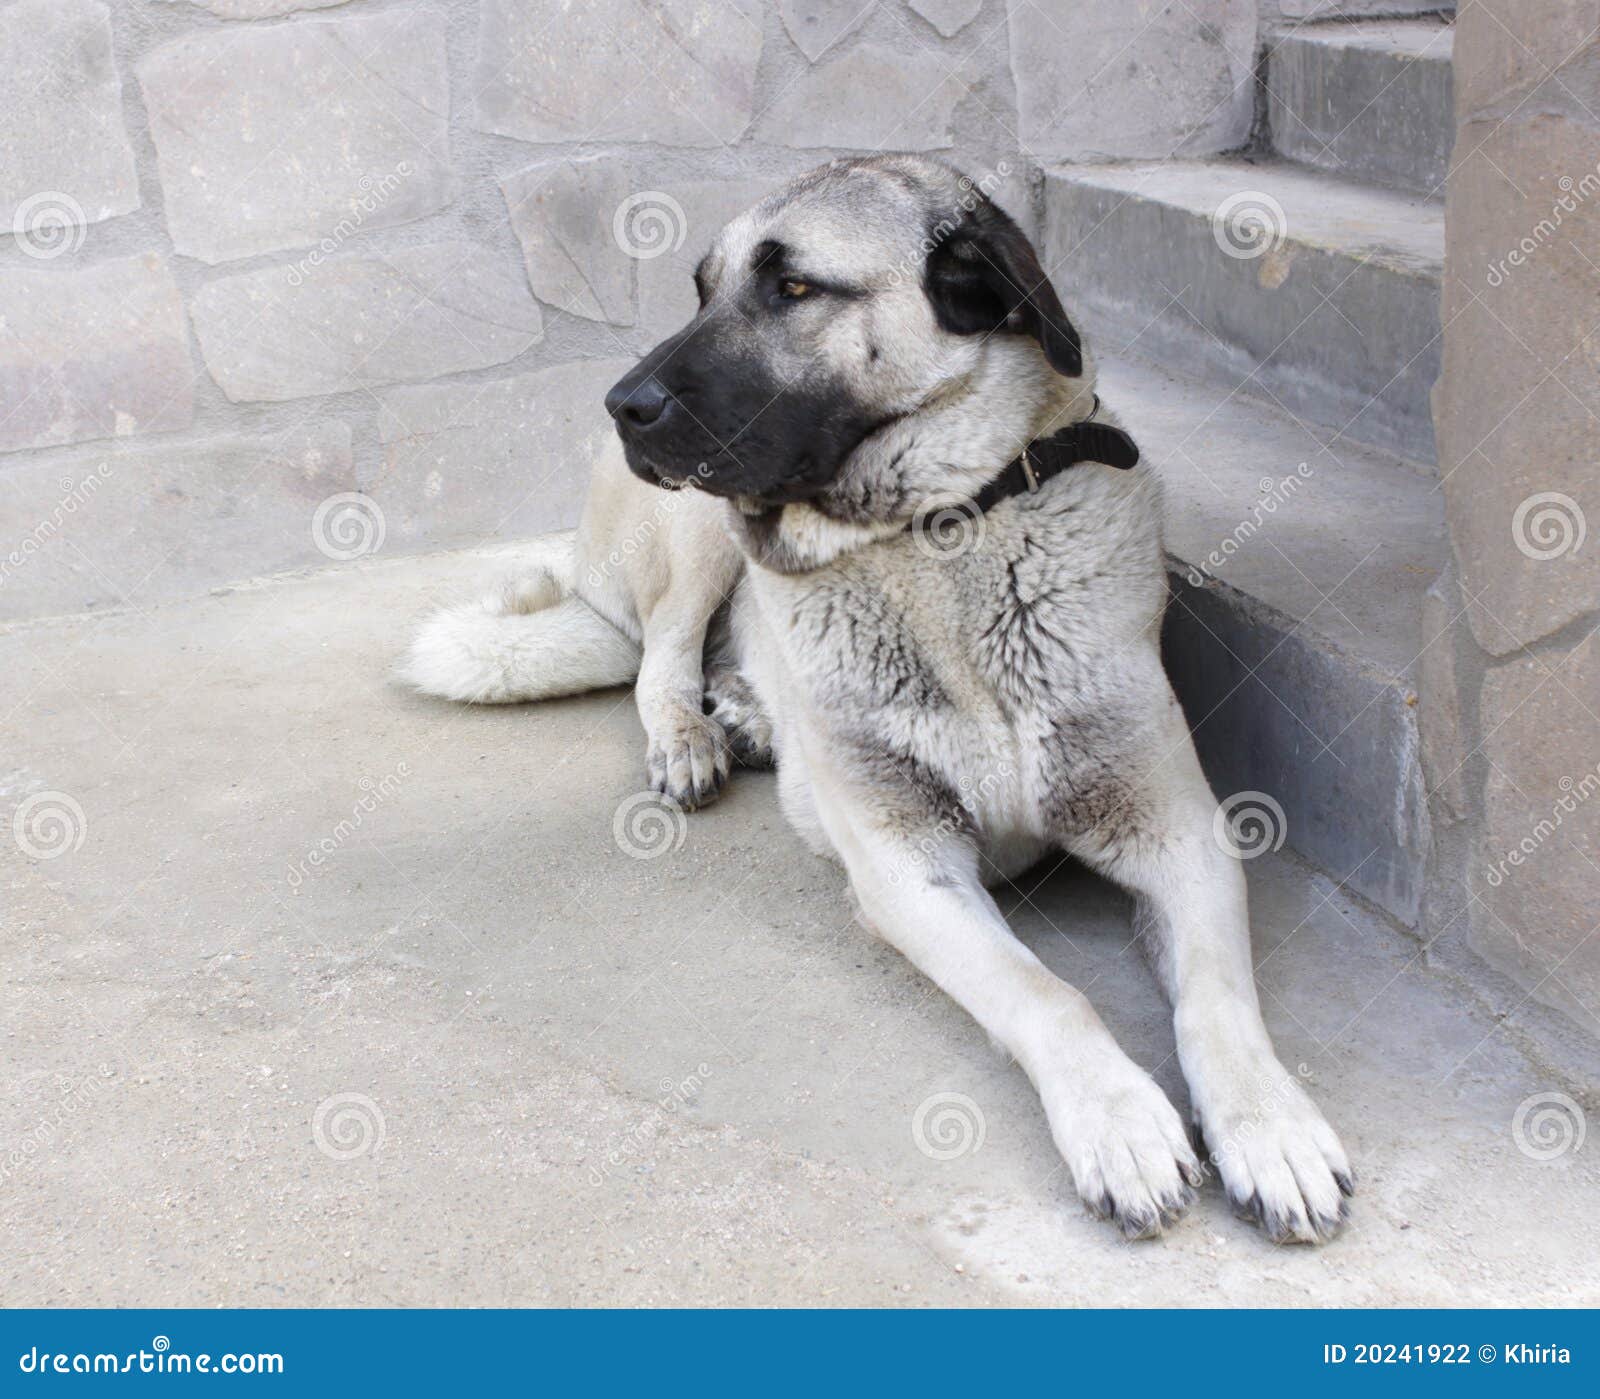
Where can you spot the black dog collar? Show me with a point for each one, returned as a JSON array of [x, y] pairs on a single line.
[[1050, 456]]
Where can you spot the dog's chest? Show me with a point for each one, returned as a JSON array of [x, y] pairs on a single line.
[[984, 639]]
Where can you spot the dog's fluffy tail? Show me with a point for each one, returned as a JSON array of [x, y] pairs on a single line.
[[530, 639]]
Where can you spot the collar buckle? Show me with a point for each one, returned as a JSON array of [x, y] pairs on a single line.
[[1028, 472]]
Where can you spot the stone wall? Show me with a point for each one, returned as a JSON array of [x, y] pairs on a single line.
[[1511, 679], [297, 279]]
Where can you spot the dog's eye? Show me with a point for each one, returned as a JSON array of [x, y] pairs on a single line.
[[792, 289]]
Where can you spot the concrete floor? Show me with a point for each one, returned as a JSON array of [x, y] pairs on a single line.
[[591, 1078]]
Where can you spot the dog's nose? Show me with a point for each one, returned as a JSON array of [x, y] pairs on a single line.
[[638, 405]]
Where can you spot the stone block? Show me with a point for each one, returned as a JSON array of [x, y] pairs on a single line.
[[256, 9], [817, 25], [681, 72], [1370, 102], [1146, 79], [873, 98], [512, 457], [65, 160], [356, 322], [1520, 390], [1444, 738], [136, 524], [566, 214], [949, 17], [98, 351], [293, 134], [1535, 913], [1516, 56]]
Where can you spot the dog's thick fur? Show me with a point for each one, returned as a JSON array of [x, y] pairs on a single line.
[[944, 705]]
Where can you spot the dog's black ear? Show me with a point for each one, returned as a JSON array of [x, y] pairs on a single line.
[[983, 276]]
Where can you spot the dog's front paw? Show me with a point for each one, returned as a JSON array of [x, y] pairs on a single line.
[[1281, 1164], [689, 760], [1128, 1152]]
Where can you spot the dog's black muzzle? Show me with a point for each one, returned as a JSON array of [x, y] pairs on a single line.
[[697, 411]]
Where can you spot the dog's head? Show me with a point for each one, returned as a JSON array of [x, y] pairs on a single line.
[[876, 333]]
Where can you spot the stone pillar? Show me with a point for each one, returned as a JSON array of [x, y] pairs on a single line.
[[1510, 679]]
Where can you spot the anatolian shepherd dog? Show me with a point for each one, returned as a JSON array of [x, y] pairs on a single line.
[[884, 579]]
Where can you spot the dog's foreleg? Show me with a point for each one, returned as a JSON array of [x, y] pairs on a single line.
[[687, 754], [1280, 1162], [1123, 1141]]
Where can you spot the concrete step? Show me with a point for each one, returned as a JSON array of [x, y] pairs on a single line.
[[1321, 295], [1298, 566], [1369, 101]]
